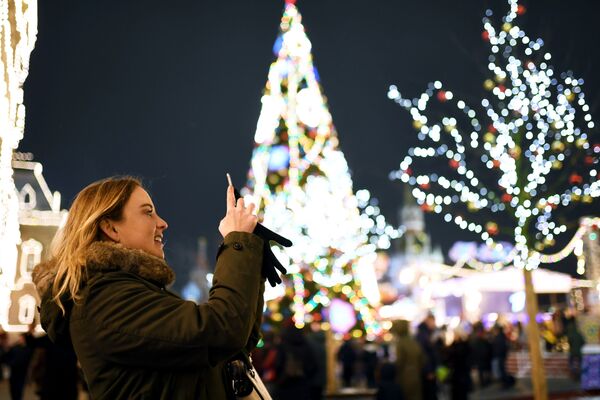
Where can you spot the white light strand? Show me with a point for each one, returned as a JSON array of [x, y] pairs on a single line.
[[16, 16]]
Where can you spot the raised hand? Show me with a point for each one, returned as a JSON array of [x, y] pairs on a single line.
[[270, 262], [238, 217]]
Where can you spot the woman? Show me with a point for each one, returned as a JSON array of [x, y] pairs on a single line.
[[103, 293]]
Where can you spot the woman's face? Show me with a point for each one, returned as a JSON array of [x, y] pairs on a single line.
[[140, 227]]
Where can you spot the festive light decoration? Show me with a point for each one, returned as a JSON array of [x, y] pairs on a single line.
[[18, 29], [300, 181], [535, 125]]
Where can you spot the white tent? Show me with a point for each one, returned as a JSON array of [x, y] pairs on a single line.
[[509, 279]]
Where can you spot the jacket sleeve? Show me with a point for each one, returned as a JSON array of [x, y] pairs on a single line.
[[129, 323], [255, 334]]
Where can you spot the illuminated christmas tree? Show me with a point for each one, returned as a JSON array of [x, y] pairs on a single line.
[[513, 166], [301, 184]]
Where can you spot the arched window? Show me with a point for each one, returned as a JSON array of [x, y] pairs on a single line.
[[27, 197]]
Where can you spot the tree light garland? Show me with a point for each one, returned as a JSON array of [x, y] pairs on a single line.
[[535, 122], [300, 181], [18, 30]]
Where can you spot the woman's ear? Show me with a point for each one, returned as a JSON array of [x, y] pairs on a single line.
[[109, 230]]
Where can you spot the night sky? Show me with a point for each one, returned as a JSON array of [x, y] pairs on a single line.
[[170, 91]]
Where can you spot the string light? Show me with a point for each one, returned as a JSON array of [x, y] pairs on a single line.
[[504, 155], [300, 181], [18, 30]]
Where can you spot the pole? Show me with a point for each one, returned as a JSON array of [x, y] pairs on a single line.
[[538, 375], [331, 350]]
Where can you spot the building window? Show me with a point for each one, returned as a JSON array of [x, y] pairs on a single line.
[[26, 309], [31, 255], [27, 197]]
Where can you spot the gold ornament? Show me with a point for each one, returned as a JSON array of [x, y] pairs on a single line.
[[472, 206], [557, 145], [488, 84], [557, 164]]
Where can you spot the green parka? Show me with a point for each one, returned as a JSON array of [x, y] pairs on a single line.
[[136, 340], [410, 361]]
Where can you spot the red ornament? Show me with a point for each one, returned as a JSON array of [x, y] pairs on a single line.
[[441, 96], [521, 9], [589, 160], [424, 186], [506, 198], [453, 163], [502, 88], [425, 207], [290, 1], [485, 35], [575, 179], [491, 128], [496, 163], [491, 228], [409, 171]]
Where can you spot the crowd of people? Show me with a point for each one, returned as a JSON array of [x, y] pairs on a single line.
[[434, 362]]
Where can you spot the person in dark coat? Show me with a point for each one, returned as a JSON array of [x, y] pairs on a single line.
[[54, 370], [481, 354], [410, 361], [370, 362], [388, 388], [460, 368], [104, 293], [576, 342], [347, 356], [424, 337], [500, 353], [295, 365], [18, 358], [316, 339]]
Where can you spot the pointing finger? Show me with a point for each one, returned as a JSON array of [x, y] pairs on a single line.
[[230, 198]]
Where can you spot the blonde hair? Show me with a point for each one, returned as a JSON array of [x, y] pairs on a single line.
[[99, 201]]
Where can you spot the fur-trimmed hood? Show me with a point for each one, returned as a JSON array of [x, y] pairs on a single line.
[[101, 257], [105, 257]]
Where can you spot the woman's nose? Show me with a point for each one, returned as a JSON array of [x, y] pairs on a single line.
[[162, 223]]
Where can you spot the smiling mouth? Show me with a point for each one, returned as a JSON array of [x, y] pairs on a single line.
[[158, 239]]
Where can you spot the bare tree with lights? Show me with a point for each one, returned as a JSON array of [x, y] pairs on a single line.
[[18, 29], [517, 166], [301, 184]]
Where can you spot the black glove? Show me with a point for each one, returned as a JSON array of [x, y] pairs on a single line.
[[270, 262]]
